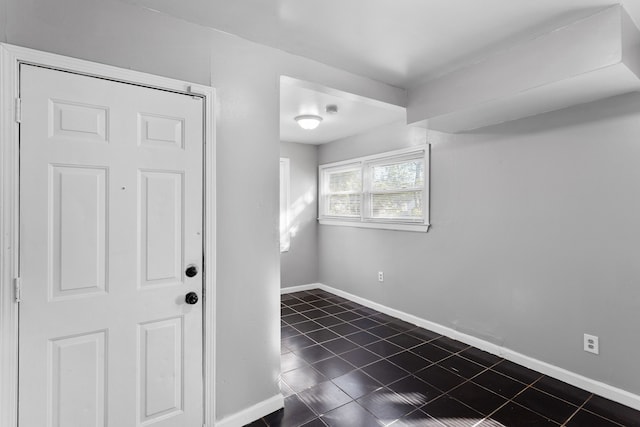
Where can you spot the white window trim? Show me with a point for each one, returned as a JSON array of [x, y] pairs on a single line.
[[285, 189], [384, 224]]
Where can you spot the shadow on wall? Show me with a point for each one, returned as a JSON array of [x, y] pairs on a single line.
[[613, 107]]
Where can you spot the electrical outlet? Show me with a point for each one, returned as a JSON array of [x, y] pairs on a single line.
[[591, 344], [380, 276]]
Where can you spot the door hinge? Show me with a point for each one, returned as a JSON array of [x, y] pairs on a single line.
[[18, 110], [17, 285]]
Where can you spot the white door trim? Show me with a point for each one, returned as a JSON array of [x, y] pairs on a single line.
[[10, 59]]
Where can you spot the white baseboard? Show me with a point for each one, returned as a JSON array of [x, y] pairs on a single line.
[[300, 288], [605, 390], [252, 413]]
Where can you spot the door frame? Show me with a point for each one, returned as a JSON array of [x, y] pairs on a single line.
[[10, 59]]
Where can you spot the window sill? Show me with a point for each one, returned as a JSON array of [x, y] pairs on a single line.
[[423, 228]]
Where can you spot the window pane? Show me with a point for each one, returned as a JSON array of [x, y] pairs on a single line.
[[346, 180], [397, 176], [343, 205], [406, 205]]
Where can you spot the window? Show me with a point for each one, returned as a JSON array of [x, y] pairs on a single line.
[[285, 234], [389, 190]]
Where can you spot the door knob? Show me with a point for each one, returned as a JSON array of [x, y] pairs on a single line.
[[191, 271], [191, 298]]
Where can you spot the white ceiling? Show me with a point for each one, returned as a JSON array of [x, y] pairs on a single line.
[[399, 42], [355, 114]]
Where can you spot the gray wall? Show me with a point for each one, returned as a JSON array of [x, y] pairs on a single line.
[[535, 238], [299, 266], [246, 77]]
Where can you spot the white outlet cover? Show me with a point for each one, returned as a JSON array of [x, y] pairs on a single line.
[[591, 344]]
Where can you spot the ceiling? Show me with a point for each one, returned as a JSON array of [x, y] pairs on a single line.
[[403, 43], [355, 114], [399, 42]]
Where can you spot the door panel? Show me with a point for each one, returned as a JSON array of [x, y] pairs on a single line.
[[78, 201], [161, 207], [110, 216], [78, 376], [161, 365]]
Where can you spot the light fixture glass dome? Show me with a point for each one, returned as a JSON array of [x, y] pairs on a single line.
[[308, 121]]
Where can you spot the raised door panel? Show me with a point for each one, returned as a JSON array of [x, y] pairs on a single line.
[[75, 120], [161, 228], [160, 370], [78, 240], [77, 381]]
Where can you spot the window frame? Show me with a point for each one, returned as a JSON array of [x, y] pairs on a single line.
[[366, 165]]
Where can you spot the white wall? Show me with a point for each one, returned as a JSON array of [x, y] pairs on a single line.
[[535, 238], [246, 77], [299, 265]]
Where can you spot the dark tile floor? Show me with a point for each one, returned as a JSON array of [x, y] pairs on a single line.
[[344, 364]]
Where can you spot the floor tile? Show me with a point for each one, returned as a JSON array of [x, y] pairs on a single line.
[[409, 361], [292, 319], [499, 383], [461, 366], [417, 418], [328, 321], [351, 415], [447, 410], [584, 418], [424, 334], [301, 308], [288, 331], [546, 405], [295, 413], [479, 356], [415, 391], [290, 362], [384, 372], [334, 309], [356, 384], [324, 397], [363, 338], [383, 331], [513, 414], [364, 323], [314, 353], [405, 341], [431, 352], [516, 371], [386, 405], [440, 378], [613, 411], [478, 398], [345, 329], [316, 422], [348, 316], [384, 348], [297, 342], [450, 344], [340, 345], [344, 364], [562, 390], [360, 357], [307, 326], [333, 367], [322, 335], [401, 325], [302, 378]]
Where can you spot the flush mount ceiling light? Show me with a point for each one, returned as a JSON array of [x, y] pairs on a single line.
[[308, 121]]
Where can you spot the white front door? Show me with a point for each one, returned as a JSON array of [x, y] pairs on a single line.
[[110, 221]]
